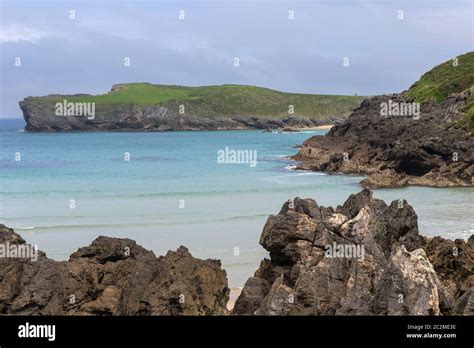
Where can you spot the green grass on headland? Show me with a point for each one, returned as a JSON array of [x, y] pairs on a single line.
[[444, 80], [468, 119], [453, 76]]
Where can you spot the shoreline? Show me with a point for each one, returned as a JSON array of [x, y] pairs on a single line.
[[233, 296], [322, 127], [130, 130]]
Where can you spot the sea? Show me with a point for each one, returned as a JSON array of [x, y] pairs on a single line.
[[60, 191]]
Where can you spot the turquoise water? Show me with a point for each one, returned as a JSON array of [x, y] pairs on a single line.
[[225, 205]]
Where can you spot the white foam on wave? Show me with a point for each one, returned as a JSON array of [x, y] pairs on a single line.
[[460, 234], [302, 172], [286, 179], [311, 173]]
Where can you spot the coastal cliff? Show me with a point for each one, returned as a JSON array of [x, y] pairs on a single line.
[[362, 258], [147, 107], [423, 136]]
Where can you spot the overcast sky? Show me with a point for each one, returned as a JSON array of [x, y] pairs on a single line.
[[305, 54]]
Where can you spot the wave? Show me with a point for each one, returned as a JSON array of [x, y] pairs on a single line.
[[240, 264], [81, 226], [105, 194], [311, 173], [293, 167], [240, 217], [152, 222], [460, 234], [185, 194]]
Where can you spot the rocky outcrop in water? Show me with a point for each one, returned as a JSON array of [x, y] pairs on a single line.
[[428, 148], [110, 277], [362, 258]]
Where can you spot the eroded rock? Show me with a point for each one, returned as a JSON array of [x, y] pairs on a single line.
[[362, 258], [394, 151], [111, 277]]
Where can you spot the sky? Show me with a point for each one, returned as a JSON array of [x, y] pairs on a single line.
[[291, 46]]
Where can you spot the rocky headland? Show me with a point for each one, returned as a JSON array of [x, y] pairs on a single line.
[[362, 258], [151, 119], [423, 136], [148, 107]]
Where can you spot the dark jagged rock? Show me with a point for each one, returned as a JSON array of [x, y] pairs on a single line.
[[395, 271], [252, 296], [465, 304], [111, 277], [395, 151], [454, 263], [290, 129]]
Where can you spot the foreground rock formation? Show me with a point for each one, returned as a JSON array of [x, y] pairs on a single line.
[[429, 149], [111, 277], [362, 258]]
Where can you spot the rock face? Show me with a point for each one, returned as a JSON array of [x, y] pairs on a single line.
[[362, 258], [428, 149], [111, 277], [41, 117], [454, 264]]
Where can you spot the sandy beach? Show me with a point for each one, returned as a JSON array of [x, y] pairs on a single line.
[[234, 294], [323, 127]]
